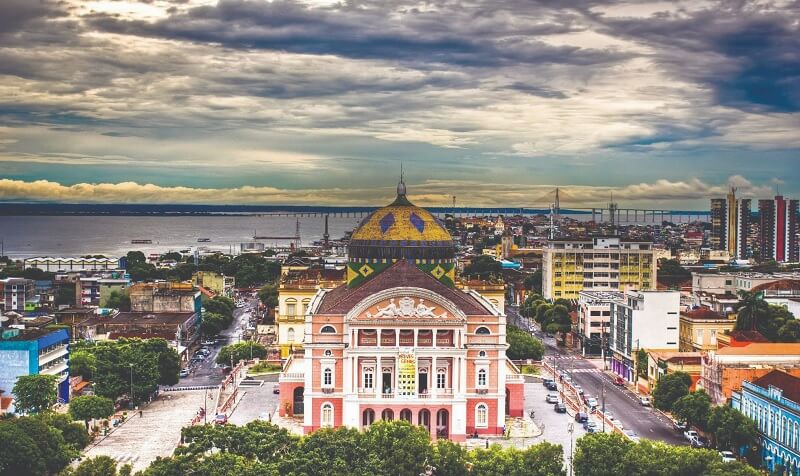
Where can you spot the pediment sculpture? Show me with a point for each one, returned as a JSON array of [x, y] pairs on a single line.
[[406, 308]]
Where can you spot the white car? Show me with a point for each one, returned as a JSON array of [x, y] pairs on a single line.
[[727, 456], [552, 398], [644, 401], [591, 402], [690, 435]]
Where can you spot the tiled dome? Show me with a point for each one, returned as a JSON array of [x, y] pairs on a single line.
[[400, 230]]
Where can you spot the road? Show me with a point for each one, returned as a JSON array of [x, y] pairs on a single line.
[[621, 402], [206, 372]]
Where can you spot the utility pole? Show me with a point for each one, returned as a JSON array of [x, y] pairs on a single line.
[[571, 431], [131, 366], [603, 398]]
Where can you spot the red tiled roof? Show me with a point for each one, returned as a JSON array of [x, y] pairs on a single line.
[[779, 379], [779, 285], [748, 336], [5, 403], [702, 313], [341, 299]]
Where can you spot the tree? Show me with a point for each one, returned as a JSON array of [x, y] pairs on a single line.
[[74, 433], [329, 452], [135, 257], [483, 267], [118, 299], [557, 320], [20, 455], [220, 305], [533, 282], [601, 454], [670, 388], [693, 408], [97, 466], [449, 458], [65, 295], [541, 312], [233, 353], [522, 345], [90, 407], [732, 430], [35, 393], [82, 363], [212, 323], [268, 294], [641, 363], [54, 450], [400, 447], [751, 309]]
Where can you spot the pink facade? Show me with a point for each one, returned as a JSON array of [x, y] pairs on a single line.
[[403, 346]]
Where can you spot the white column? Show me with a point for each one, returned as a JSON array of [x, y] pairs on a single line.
[[347, 385], [378, 333], [435, 336], [416, 333], [462, 384], [397, 337], [434, 378]]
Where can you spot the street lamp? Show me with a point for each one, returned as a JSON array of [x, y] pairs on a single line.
[[131, 366], [571, 431]]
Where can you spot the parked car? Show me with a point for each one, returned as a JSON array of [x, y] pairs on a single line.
[[690, 435], [591, 402], [581, 417], [209, 342], [619, 381], [590, 426], [727, 456], [631, 435], [552, 386], [585, 397], [551, 398], [184, 372], [699, 442], [276, 389], [644, 401], [221, 419], [680, 426], [546, 381], [578, 389], [560, 408]]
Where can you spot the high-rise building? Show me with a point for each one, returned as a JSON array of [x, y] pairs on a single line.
[[596, 264], [730, 224], [778, 229]]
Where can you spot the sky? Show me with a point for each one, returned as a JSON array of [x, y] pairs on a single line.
[[496, 102]]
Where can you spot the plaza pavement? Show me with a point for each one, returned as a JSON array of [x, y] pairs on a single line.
[[140, 440]]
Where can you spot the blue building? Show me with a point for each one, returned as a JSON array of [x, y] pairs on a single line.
[[772, 402], [34, 351]]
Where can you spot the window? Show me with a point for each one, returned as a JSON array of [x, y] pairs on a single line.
[[328, 353], [482, 377], [481, 416], [482, 331], [326, 418], [482, 353], [306, 302], [291, 307], [368, 379], [441, 378], [328, 330], [368, 417], [290, 335], [327, 377]]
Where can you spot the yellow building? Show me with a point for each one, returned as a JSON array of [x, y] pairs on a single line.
[[598, 264], [660, 364], [295, 292], [219, 283], [493, 291], [700, 328]]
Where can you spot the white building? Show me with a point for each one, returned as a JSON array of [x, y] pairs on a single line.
[[642, 320], [594, 317], [60, 264]]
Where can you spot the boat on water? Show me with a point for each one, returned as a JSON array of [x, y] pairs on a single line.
[[204, 240], [141, 242]]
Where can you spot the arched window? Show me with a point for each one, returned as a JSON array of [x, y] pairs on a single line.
[[482, 377], [326, 417], [328, 353], [405, 414], [327, 377], [290, 335], [482, 353], [387, 415], [481, 416], [368, 417], [305, 303], [441, 378], [482, 331], [291, 307], [328, 330]]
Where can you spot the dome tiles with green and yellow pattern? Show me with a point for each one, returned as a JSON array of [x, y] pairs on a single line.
[[400, 231]]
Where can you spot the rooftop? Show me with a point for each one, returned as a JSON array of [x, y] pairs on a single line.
[[779, 379], [779, 285], [762, 348], [148, 318], [703, 313], [341, 299]]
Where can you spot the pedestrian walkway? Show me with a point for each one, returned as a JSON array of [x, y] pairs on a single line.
[[140, 440], [521, 428]]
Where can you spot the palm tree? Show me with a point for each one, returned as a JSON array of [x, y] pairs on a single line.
[[750, 309]]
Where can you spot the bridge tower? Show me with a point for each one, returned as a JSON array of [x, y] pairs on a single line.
[[612, 212], [325, 236]]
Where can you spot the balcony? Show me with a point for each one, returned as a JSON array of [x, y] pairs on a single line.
[[387, 395], [482, 391], [366, 392], [292, 376], [328, 390], [326, 338]]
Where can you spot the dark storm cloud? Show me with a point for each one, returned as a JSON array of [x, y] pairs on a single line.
[[749, 55], [16, 15], [466, 36]]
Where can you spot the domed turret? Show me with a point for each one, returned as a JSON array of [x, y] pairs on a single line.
[[400, 230]]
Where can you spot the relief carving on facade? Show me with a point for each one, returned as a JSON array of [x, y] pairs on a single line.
[[406, 308]]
